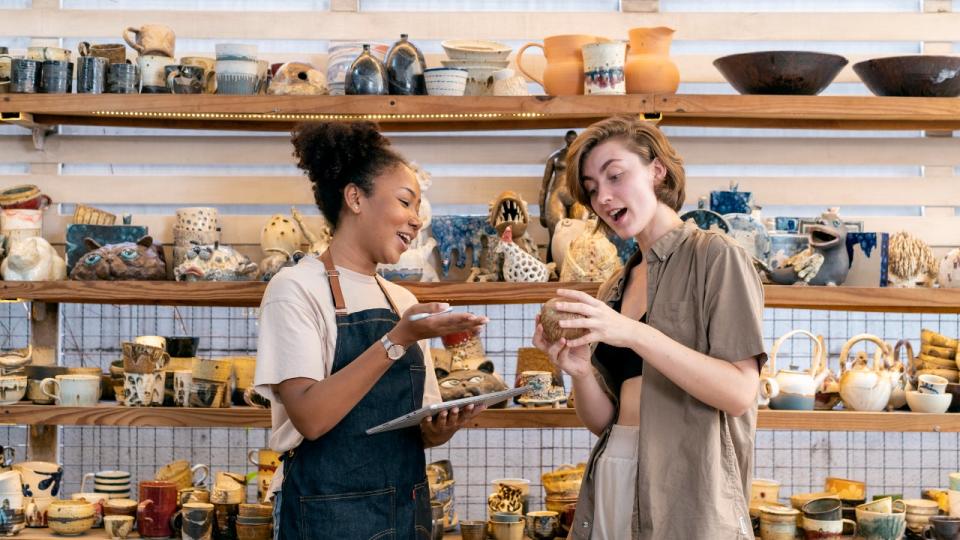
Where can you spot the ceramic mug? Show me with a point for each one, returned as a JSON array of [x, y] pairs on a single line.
[[114, 484], [197, 521], [603, 65], [158, 502], [115, 53], [7, 455], [35, 511], [825, 509], [543, 525], [778, 522], [72, 390], [92, 75], [141, 358], [41, 54], [931, 384], [266, 461], [943, 528], [182, 474], [818, 529], [151, 39], [41, 479], [182, 384], [182, 79], [118, 527], [140, 389], [152, 74]]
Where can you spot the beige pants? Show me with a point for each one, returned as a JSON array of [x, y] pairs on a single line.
[[615, 478]]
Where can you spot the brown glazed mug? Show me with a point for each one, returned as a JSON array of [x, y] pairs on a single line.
[[158, 502]]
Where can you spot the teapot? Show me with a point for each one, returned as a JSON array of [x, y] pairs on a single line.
[[794, 389], [906, 371], [863, 388]]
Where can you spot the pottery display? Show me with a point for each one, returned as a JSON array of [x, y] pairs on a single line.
[[865, 388], [367, 75], [405, 66], [564, 74], [649, 69], [793, 389], [780, 72], [913, 75]]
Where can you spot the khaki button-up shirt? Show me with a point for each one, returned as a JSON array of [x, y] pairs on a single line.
[[695, 462]]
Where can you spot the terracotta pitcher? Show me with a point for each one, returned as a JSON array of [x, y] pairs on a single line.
[[649, 69], [151, 39], [563, 75]]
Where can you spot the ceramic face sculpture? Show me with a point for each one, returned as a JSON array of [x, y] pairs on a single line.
[[469, 382], [142, 260], [911, 261], [215, 263], [33, 259], [509, 210], [825, 262]]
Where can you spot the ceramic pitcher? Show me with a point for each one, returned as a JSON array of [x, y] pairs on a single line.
[[865, 388], [649, 69], [793, 389], [153, 39], [563, 75]]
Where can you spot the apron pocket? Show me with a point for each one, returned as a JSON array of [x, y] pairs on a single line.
[[369, 515], [423, 513], [418, 374]]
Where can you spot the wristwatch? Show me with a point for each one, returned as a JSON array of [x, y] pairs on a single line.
[[395, 351]]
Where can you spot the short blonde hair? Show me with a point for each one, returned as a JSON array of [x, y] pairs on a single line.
[[640, 137]]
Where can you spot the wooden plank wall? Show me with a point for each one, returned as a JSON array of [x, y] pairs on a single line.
[[923, 165]]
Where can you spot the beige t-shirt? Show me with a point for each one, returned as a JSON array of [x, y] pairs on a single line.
[[298, 335]]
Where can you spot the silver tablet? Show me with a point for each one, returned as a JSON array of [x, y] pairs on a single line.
[[414, 418]]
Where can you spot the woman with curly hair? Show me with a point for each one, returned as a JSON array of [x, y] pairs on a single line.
[[668, 369], [338, 352]]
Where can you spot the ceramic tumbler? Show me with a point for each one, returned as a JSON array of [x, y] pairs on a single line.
[[197, 521], [92, 75], [118, 527], [55, 77], [158, 502], [123, 79], [182, 385], [24, 76], [152, 75], [603, 68]]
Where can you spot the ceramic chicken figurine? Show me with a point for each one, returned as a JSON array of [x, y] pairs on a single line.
[[824, 262], [33, 259], [911, 262], [518, 265]]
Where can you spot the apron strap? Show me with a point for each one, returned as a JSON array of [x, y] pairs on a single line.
[[333, 276]]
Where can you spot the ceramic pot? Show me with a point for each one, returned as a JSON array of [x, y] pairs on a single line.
[[115, 53], [603, 65], [12, 388], [366, 76], [563, 75], [649, 69], [863, 388], [70, 518], [405, 66], [152, 74], [118, 526], [97, 500], [158, 502], [92, 75], [24, 76]]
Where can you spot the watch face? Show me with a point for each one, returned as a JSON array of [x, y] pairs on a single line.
[[395, 352]]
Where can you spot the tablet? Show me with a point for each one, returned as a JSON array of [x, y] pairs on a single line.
[[414, 418]]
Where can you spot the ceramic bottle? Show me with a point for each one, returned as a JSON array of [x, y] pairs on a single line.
[[366, 76], [405, 66]]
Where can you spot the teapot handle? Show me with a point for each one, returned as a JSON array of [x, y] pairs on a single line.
[[817, 350], [883, 350], [910, 366]]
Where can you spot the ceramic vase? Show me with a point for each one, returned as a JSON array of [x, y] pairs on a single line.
[[405, 66], [366, 76], [649, 69]]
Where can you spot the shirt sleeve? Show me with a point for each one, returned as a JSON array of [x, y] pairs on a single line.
[[733, 306], [290, 345]]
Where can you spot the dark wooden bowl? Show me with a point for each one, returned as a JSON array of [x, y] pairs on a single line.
[[916, 76], [780, 72]]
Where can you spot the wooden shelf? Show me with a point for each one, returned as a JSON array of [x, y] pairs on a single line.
[[47, 534], [248, 294], [111, 414], [433, 113]]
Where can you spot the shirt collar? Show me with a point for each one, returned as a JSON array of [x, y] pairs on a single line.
[[669, 242]]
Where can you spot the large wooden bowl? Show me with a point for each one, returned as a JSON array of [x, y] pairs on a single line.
[[780, 72], [915, 76]]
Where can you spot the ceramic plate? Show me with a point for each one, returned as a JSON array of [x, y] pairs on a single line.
[[706, 219], [750, 233]]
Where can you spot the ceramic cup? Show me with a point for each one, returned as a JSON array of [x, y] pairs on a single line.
[[825, 509], [539, 382], [70, 518], [818, 529], [24, 76], [42, 54], [603, 65], [72, 390], [12, 388], [507, 530], [193, 494], [266, 461], [183, 79], [120, 507], [114, 53], [10, 481], [880, 525], [209, 395], [159, 386], [35, 511], [543, 525], [141, 358], [182, 474], [197, 521], [151, 39], [445, 81], [118, 526], [123, 79], [56, 77], [114, 484], [931, 384], [92, 75], [97, 500], [7, 455], [764, 490], [225, 520], [943, 528], [778, 522], [140, 389], [182, 385], [152, 75], [158, 502]]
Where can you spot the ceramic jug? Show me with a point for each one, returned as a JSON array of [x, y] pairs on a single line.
[[902, 372], [793, 389], [154, 39], [865, 388], [649, 69], [563, 75]]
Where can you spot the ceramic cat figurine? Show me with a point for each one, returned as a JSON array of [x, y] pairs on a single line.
[[469, 382], [142, 261], [215, 263], [33, 259]]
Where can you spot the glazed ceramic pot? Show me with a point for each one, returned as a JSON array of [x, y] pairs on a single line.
[[114, 53], [405, 66], [793, 389], [603, 65], [563, 75], [649, 69], [158, 502], [182, 474], [778, 522], [865, 388], [70, 518], [366, 76]]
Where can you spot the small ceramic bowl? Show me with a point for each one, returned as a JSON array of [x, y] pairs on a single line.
[[70, 518], [476, 50], [445, 81], [12, 388], [928, 403]]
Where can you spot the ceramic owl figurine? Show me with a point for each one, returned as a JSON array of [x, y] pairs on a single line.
[[141, 260], [33, 259]]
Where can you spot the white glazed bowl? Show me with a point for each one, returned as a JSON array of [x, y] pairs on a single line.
[[12, 388], [476, 50], [473, 64], [928, 403], [445, 81], [235, 51]]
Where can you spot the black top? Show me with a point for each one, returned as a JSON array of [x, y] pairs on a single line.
[[620, 362]]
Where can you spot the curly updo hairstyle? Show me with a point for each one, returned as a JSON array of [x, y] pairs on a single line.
[[335, 154]]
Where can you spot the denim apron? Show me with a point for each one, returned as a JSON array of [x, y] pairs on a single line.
[[346, 484]]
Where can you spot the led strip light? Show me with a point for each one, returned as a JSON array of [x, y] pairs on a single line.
[[318, 116]]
